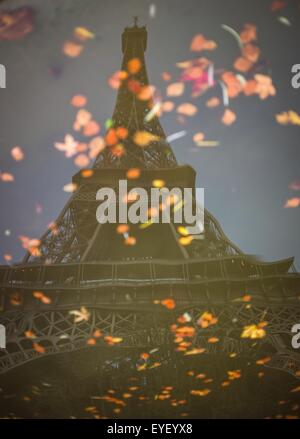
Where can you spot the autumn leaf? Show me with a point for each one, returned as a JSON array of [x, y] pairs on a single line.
[[134, 66], [203, 392], [78, 101], [195, 351], [264, 87], [229, 117], [71, 49], [42, 297], [82, 160], [207, 319], [83, 34], [213, 340], [91, 342], [169, 303], [292, 203], [133, 173], [200, 43], [130, 240], [167, 106], [288, 118], [198, 137], [185, 240], [30, 334], [70, 187], [242, 64], [91, 128], [175, 89], [263, 361], [112, 340], [213, 102], [96, 145], [122, 133], [68, 146], [187, 109], [253, 331], [17, 153], [7, 177], [158, 183], [117, 78], [38, 348], [234, 374], [82, 315], [144, 138]]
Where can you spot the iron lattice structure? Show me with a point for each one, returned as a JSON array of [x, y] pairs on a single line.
[[81, 263]]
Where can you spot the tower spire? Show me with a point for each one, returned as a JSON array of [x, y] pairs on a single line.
[[134, 103]]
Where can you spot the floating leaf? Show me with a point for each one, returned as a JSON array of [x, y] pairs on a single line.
[[229, 117], [71, 49], [292, 203], [133, 173], [200, 43], [17, 153], [143, 138], [83, 34], [134, 66], [80, 315], [82, 160], [7, 177], [253, 331], [203, 392], [187, 109], [213, 102], [175, 89], [78, 101], [92, 128], [169, 303]]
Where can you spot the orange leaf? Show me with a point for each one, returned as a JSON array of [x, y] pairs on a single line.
[[243, 64], [199, 43], [187, 109], [92, 128], [82, 160], [292, 203], [17, 153], [72, 49], [213, 102], [169, 303], [175, 89], [134, 66], [122, 133], [78, 101], [229, 117], [38, 348], [143, 138], [133, 173]]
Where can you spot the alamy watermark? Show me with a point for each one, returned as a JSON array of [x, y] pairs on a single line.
[[159, 205], [2, 76], [296, 338], [296, 77], [2, 337]]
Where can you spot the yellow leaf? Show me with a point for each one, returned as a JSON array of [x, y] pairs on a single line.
[[143, 138], [83, 34]]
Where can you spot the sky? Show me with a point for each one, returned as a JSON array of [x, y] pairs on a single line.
[[246, 178]]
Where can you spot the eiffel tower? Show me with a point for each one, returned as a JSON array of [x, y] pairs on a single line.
[[81, 263]]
